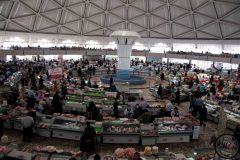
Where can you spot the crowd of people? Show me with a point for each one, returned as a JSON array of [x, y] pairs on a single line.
[[31, 95]]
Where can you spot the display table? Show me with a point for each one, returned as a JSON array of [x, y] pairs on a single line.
[[172, 137], [44, 132], [121, 131], [74, 106], [121, 138], [233, 117], [176, 129], [18, 155], [72, 134]]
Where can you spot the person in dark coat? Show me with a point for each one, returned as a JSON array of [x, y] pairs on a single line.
[[236, 133], [177, 97], [111, 81], [40, 81], [190, 84], [87, 141], [79, 71], [213, 89], [160, 90], [115, 108], [203, 116], [64, 90], [92, 111], [57, 104], [162, 76]]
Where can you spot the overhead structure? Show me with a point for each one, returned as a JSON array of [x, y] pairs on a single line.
[[124, 41], [164, 19]]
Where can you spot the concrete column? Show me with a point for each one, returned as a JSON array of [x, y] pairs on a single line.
[[124, 55]]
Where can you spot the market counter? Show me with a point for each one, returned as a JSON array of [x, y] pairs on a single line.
[[66, 134], [121, 138], [44, 132], [19, 155], [233, 119], [174, 137]]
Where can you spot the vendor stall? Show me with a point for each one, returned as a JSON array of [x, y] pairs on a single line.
[[232, 111], [176, 130], [121, 131]]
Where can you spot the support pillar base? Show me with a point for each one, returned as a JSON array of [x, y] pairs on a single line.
[[123, 74]]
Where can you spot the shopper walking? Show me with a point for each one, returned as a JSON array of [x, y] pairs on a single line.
[[162, 76], [28, 123], [87, 142], [40, 82], [115, 108], [160, 91], [57, 104], [197, 107], [203, 116], [177, 97]]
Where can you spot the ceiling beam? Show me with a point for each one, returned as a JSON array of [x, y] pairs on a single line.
[[10, 14], [230, 12], [193, 18], [37, 16], [230, 22], [106, 16], [62, 18], [159, 25], [208, 34], [165, 36], [217, 20], [232, 35], [44, 28], [158, 8], [181, 34], [75, 4], [201, 6], [116, 8], [227, 2], [170, 19], [83, 19], [126, 15], [148, 18]]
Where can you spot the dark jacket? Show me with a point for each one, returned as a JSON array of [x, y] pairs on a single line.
[[203, 113]]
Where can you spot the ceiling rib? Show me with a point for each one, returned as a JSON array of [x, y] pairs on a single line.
[[187, 15], [9, 15]]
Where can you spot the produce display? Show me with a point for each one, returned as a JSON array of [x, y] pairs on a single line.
[[94, 93], [232, 111], [3, 151], [190, 120], [173, 127], [74, 98], [42, 125], [124, 153], [13, 79], [121, 127], [148, 151], [149, 133]]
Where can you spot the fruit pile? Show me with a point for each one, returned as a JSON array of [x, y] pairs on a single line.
[[124, 153]]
